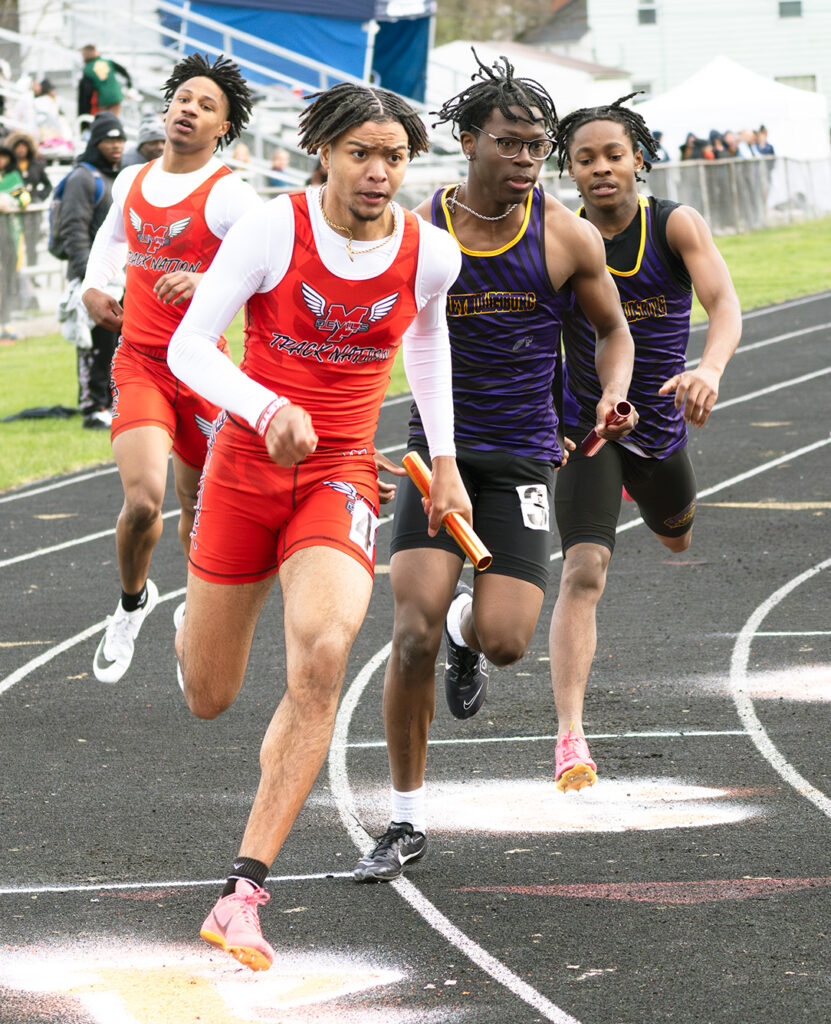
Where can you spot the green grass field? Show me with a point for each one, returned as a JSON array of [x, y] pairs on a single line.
[[767, 267]]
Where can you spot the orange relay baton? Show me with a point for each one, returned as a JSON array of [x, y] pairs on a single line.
[[456, 526]]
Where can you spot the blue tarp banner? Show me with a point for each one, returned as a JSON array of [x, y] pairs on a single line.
[[336, 41]]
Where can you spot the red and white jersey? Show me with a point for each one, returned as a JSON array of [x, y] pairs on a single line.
[[328, 344], [177, 222], [322, 329], [163, 240]]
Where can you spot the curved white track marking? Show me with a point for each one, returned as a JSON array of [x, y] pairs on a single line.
[[66, 645], [744, 705], [345, 803], [18, 496]]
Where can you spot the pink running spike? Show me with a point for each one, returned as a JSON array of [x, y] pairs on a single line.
[[573, 765], [233, 925]]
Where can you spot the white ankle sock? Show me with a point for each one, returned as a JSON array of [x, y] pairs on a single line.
[[454, 618], [411, 807]]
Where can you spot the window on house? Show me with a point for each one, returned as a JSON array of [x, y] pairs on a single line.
[[647, 13], [790, 8], [806, 82]]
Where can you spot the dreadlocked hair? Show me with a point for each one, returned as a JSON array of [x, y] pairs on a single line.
[[227, 76], [340, 108], [633, 124], [497, 86]]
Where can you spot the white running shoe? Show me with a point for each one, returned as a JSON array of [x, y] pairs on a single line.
[[179, 616], [178, 619], [115, 652]]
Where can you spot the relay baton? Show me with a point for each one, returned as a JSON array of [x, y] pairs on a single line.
[[593, 442], [456, 526]]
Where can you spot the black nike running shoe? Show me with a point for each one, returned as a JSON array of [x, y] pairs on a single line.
[[395, 848], [465, 673]]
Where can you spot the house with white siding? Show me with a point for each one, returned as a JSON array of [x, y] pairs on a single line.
[[661, 43]]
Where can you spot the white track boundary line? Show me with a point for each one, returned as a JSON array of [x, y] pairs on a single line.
[[344, 801], [46, 656], [407, 396], [744, 705], [460, 741], [40, 552], [179, 883]]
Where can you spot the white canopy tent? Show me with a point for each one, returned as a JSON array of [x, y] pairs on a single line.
[[728, 97]]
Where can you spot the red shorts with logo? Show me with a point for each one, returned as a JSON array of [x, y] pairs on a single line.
[[252, 514], [146, 393]]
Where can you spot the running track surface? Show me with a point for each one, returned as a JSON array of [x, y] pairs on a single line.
[[692, 883]]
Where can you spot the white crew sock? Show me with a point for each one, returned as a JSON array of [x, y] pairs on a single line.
[[411, 807], [454, 618]]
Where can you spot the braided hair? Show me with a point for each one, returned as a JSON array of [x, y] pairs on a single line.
[[497, 87], [345, 105], [633, 124], [226, 75]]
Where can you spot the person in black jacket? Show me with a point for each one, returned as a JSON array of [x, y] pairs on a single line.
[[38, 185], [81, 216]]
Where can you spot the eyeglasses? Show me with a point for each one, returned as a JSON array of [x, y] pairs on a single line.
[[509, 146]]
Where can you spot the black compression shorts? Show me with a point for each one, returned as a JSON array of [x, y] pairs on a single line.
[[588, 494], [511, 498]]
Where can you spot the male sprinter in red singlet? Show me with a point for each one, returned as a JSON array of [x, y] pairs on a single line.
[[333, 279], [170, 216]]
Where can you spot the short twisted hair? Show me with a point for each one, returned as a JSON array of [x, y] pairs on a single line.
[[498, 87], [227, 76], [345, 105], [633, 124]]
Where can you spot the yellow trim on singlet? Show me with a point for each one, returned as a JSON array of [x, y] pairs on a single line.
[[492, 252], [642, 203]]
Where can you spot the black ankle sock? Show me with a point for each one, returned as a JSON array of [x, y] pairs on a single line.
[[246, 867], [132, 602]]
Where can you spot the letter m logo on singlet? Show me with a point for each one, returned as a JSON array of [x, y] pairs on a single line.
[[155, 237], [340, 323]]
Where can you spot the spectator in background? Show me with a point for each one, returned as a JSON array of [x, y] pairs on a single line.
[[99, 88], [717, 143], [762, 145], [731, 145], [52, 126], [33, 171], [149, 144], [279, 162], [13, 198], [240, 160], [81, 216], [318, 175], [661, 155]]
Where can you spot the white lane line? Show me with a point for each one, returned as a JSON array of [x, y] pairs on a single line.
[[66, 645], [744, 705], [179, 883], [47, 656], [55, 486], [731, 482], [40, 552], [752, 346], [770, 390], [342, 793], [473, 740], [407, 396]]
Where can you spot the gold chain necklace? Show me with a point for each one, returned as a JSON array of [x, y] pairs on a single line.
[[350, 252]]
